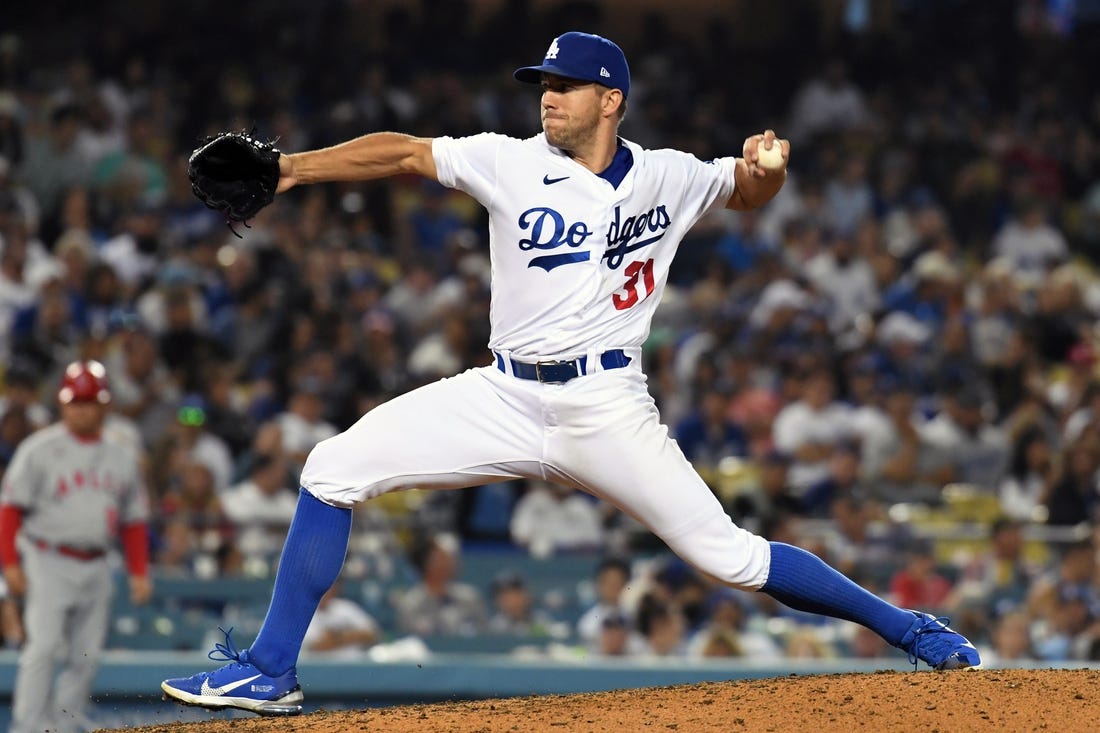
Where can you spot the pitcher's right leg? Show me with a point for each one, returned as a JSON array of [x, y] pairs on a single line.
[[461, 431]]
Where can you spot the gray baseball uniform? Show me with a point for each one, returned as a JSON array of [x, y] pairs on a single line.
[[75, 495]]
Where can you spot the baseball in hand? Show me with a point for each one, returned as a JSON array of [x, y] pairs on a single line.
[[771, 160]]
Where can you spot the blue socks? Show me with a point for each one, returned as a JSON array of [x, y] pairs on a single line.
[[318, 541], [311, 561], [801, 580]]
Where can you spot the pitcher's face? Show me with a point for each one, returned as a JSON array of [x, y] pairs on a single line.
[[570, 111]]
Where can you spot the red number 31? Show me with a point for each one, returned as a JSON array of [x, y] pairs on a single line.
[[645, 269]]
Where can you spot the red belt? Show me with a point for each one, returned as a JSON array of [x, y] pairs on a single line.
[[74, 552]]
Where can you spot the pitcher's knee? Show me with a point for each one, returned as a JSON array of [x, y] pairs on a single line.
[[349, 468], [726, 552], [342, 495], [747, 569]]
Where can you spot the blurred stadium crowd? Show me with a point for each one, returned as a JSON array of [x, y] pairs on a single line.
[[895, 363]]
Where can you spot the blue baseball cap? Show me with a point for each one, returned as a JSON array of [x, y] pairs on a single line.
[[583, 56]]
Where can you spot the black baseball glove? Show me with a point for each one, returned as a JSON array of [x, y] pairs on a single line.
[[234, 173]]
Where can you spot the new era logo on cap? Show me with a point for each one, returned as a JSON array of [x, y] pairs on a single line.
[[583, 56]]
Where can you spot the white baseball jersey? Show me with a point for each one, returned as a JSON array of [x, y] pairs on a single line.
[[577, 263]]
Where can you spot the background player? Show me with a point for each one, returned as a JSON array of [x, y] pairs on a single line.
[[583, 228], [71, 490]]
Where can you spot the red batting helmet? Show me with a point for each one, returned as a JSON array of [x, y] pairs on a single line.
[[84, 381]]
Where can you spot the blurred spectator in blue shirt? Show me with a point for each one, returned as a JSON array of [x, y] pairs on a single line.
[[925, 291], [843, 481], [432, 223], [707, 434]]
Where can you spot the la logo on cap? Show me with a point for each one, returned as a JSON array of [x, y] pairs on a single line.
[[588, 58]]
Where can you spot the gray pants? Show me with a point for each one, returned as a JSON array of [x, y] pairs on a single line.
[[66, 615]]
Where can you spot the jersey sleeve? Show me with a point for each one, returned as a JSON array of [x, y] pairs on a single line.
[[469, 164], [709, 185]]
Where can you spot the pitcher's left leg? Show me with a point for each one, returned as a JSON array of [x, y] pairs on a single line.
[[610, 443], [462, 431], [614, 446]]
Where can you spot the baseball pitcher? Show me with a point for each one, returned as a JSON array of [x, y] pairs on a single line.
[[70, 493], [583, 229]]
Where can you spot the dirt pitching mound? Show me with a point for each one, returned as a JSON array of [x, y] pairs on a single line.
[[973, 700]]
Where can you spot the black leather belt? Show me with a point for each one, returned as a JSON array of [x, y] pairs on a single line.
[[560, 372]]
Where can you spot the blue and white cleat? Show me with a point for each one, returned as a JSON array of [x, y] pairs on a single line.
[[239, 684], [930, 639]]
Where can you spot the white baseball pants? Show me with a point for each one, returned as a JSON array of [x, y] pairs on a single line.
[[600, 433]]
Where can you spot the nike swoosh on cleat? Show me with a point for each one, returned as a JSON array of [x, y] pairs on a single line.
[[548, 180], [207, 690]]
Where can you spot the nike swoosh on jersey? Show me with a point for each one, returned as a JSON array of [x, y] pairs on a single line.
[[548, 180], [207, 690]]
